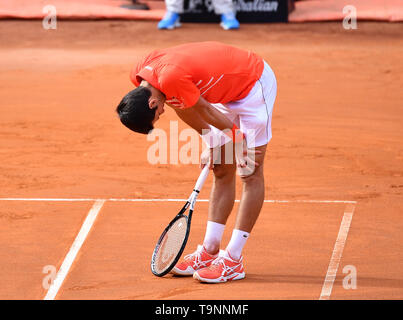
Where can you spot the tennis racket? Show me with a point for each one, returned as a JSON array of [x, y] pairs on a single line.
[[173, 240]]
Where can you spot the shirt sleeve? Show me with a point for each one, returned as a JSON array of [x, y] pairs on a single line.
[[176, 83], [133, 73], [140, 66]]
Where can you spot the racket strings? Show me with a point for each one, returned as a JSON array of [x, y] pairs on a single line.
[[171, 244]]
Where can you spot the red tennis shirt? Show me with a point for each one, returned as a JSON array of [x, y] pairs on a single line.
[[218, 72]]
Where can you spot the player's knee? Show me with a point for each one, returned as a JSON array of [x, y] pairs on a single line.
[[252, 177]]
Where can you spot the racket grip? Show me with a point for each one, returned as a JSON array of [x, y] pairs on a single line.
[[202, 178]]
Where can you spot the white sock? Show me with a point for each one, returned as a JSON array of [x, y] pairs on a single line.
[[212, 238], [236, 244]]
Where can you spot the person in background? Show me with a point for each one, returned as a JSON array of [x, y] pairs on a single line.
[[225, 8]]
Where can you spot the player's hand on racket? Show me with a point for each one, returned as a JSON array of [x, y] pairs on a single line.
[[209, 157]]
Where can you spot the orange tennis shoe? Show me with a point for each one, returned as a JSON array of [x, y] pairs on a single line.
[[222, 269], [193, 262]]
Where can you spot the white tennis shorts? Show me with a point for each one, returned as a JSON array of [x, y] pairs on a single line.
[[252, 114]]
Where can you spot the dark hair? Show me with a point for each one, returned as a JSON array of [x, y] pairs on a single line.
[[134, 111]]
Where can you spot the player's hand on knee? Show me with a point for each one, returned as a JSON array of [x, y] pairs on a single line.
[[246, 159]]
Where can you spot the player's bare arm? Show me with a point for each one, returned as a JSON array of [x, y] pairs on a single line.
[[189, 116], [209, 114]]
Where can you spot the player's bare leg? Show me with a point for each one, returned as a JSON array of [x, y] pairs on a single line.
[[222, 198], [229, 266], [252, 195], [249, 208]]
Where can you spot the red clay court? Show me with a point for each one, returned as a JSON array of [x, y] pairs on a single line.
[[78, 193]]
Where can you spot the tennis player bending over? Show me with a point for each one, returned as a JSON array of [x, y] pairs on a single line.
[[214, 88]]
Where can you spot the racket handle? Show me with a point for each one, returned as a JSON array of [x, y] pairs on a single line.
[[202, 178]]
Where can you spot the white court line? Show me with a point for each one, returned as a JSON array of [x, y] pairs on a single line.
[[337, 253], [165, 200], [330, 276], [75, 247]]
